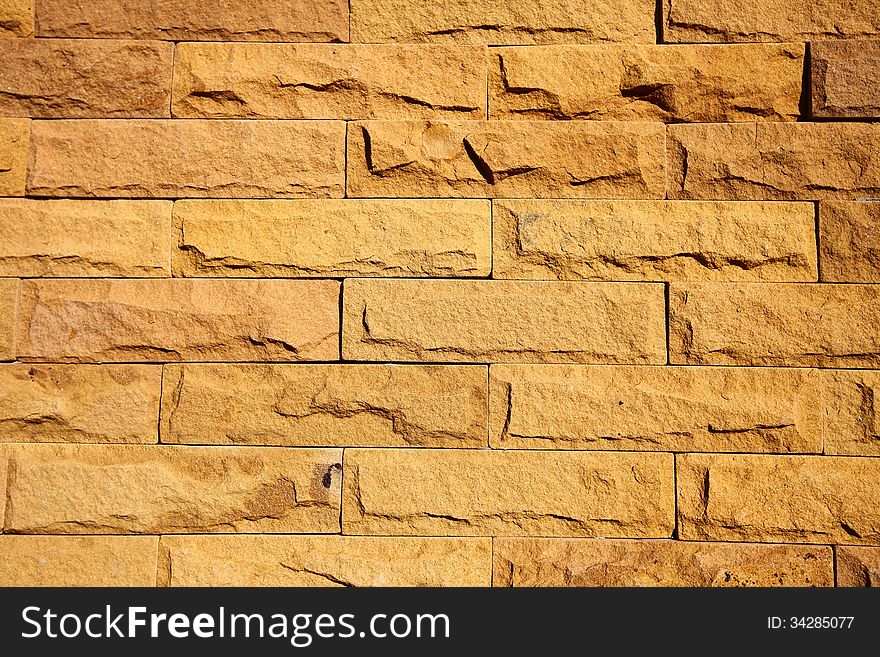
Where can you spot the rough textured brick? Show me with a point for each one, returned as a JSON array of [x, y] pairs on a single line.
[[167, 320], [79, 403], [498, 321], [852, 422], [9, 291], [486, 493], [858, 566], [694, 83], [78, 560], [324, 561], [770, 498], [85, 238], [305, 238], [14, 136], [329, 82], [774, 161], [679, 409], [16, 18], [139, 489], [506, 158], [590, 562], [141, 158], [71, 78], [849, 241], [845, 78], [654, 240], [774, 324], [345, 405]]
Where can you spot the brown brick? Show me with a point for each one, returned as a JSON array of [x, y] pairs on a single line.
[[344, 405], [506, 158], [679, 409], [14, 139], [693, 83], [846, 78], [858, 566], [591, 562], [141, 158], [503, 321], [333, 238], [153, 489], [770, 498], [9, 292], [774, 324], [654, 240], [16, 18], [496, 492], [852, 421], [166, 320], [849, 241]]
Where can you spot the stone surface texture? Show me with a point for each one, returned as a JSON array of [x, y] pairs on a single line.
[[846, 78]]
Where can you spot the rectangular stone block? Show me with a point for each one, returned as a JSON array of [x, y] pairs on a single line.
[[852, 421], [585, 159], [845, 78], [344, 405], [858, 566], [306, 238], [14, 140], [503, 321], [173, 319], [199, 158], [849, 241], [654, 240], [16, 18], [9, 291]]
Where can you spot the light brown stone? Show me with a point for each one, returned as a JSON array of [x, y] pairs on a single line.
[[774, 324], [16, 18], [849, 241], [692, 83], [852, 420], [306, 238], [79, 403], [772, 498], [774, 161], [85, 238], [14, 139], [590, 562], [344, 405], [503, 321], [654, 240], [858, 566], [324, 561], [78, 560], [9, 292], [678, 409], [200, 158], [153, 489], [167, 320], [845, 78], [585, 159]]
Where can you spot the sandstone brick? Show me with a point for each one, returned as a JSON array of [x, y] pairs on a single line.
[[305, 238], [14, 139], [72, 78], [506, 158], [770, 498], [846, 78], [78, 560], [9, 292], [591, 562], [167, 320], [142, 158], [693, 83], [344, 405], [852, 423], [679, 409], [85, 238], [152, 489], [858, 566], [309, 81], [79, 403], [194, 20], [774, 324], [324, 561], [16, 18], [654, 240], [503, 321], [785, 161], [849, 241]]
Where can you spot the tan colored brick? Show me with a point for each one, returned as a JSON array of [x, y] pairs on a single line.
[[771, 498], [79, 403], [693, 83], [678, 409], [774, 324], [782, 161], [14, 140], [654, 240], [153, 489], [85, 238], [168, 159], [585, 159], [305, 238], [9, 292], [858, 566], [849, 241], [16, 18], [78, 560], [166, 320], [590, 562], [846, 78], [496, 492], [324, 561], [344, 405], [503, 321], [852, 422]]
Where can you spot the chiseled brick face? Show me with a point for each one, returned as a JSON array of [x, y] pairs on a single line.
[[849, 241], [9, 291], [858, 566], [16, 18], [846, 78], [14, 138], [852, 412]]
